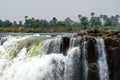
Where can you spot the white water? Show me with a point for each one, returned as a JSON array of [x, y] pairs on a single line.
[[72, 66], [27, 58], [53, 45], [84, 59], [38, 57], [75, 42], [102, 61]]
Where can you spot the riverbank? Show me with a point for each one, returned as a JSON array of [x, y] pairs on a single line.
[[54, 30], [34, 30]]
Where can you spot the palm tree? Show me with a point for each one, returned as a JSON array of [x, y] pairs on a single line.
[[92, 19], [26, 21], [79, 17], [53, 22], [15, 23], [84, 22], [101, 19], [20, 23], [117, 18], [26, 17], [33, 19], [92, 14], [68, 22], [105, 18]]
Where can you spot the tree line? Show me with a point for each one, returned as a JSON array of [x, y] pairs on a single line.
[[67, 24]]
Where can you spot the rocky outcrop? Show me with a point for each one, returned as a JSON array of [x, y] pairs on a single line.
[[112, 42], [112, 46], [92, 60]]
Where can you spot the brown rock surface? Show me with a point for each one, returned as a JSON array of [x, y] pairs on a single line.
[[112, 46], [112, 43]]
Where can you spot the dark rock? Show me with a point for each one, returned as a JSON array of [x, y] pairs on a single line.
[[112, 45], [65, 45], [92, 60]]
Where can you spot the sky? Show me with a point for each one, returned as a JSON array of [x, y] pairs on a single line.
[[15, 10]]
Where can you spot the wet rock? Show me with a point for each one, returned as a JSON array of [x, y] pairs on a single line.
[[112, 46], [92, 60], [65, 45], [113, 52]]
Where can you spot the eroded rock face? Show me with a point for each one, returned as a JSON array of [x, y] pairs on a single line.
[[65, 45], [92, 60], [112, 46], [113, 56], [112, 43]]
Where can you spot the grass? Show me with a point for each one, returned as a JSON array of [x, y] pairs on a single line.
[[56, 29]]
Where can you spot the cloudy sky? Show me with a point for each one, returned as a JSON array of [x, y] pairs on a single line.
[[46, 9]]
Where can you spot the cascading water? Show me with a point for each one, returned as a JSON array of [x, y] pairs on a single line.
[[75, 42], [24, 58], [39, 57], [32, 58], [53, 45], [102, 61], [72, 66], [84, 59]]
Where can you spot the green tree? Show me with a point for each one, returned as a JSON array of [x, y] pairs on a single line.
[[92, 14], [91, 22], [20, 23], [101, 19], [53, 22], [105, 18], [96, 22], [26, 18], [14, 23], [117, 18], [1, 23], [111, 22], [26, 21], [79, 17], [68, 23], [84, 22], [6, 23]]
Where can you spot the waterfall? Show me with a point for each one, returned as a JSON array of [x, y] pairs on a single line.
[[84, 59], [75, 42], [72, 66], [80, 42], [102, 61], [39, 57], [53, 45]]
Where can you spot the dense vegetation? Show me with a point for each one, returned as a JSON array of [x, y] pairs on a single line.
[[40, 25]]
